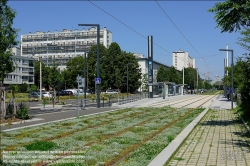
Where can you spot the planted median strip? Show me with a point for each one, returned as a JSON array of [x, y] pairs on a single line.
[[102, 139]]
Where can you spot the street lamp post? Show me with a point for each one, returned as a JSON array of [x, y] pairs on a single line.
[[127, 77], [39, 59], [40, 78], [98, 59], [232, 74], [85, 75], [197, 80]]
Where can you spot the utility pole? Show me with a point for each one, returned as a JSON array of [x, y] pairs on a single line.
[[40, 78]]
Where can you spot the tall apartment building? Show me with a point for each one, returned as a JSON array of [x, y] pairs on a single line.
[[24, 69], [62, 46], [181, 58], [216, 78]]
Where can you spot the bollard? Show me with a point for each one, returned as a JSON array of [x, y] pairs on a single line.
[[109, 100], [83, 103], [103, 101], [53, 101]]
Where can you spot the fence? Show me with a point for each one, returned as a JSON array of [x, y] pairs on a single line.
[[132, 98]]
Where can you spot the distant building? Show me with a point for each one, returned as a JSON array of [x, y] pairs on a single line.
[[62, 46], [216, 78], [24, 69], [143, 63], [181, 58]]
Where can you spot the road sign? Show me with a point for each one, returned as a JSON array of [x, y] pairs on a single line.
[[97, 80], [79, 79], [82, 83]]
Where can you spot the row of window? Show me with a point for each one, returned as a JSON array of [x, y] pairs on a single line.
[[61, 38], [63, 34], [59, 45], [30, 78]]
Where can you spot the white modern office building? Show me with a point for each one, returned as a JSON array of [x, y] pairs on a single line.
[[24, 69], [181, 59], [62, 46]]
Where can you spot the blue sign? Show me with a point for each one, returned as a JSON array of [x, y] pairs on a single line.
[[97, 80]]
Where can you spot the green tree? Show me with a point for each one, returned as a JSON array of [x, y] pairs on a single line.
[[23, 87], [74, 67], [8, 36], [241, 80], [134, 71], [118, 79], [92, 67], [232, 15], [33, 88], [190, 77], [173, 75], [45, 74], [161, 74], [110, 64], [55, 77], [245, 40]]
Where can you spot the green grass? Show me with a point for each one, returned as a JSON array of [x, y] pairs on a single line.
[[106, 135], [41, 145], [178, 158], [242, 113]]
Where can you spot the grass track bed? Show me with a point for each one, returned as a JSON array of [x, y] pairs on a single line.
[[104, 138]]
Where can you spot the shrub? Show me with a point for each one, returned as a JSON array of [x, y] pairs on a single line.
[[33, 88], [10, 108], [22, 111], [41, 145], [23, 87]]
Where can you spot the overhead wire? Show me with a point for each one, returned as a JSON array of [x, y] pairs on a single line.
[[127, 26], [183, 35], [146, 37]]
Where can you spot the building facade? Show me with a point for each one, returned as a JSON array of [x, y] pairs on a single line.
[[62, 46], [181, 59], [24, 69], [143, 63]]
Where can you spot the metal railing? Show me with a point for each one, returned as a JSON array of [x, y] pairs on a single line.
[[132, 98]]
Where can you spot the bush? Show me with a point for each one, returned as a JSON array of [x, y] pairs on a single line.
[[10, 109], [23, 87], [33, 88], [22, 111]]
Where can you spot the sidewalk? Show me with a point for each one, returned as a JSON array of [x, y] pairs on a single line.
[[218, 139]]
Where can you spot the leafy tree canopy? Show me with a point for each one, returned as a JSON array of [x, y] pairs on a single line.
[[232, 15], [8, 40]]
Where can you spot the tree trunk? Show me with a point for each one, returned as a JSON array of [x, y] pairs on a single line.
[[2, 103], [1, 100], [14, 100]]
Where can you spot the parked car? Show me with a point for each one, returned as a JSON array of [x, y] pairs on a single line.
[[117, 90], [64, 93], [74, 91], [111, 92], [33, 96], [89, 92], [46, 94], [82, 93]]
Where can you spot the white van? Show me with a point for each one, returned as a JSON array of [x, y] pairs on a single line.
[[74, 91]]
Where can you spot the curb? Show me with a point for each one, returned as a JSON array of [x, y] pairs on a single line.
[[39, 124], [247, 127], [166, 153], [23, 121]]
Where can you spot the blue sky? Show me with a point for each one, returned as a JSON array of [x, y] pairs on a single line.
[[131, 22]]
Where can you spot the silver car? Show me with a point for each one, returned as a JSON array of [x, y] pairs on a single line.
[[33, 96]]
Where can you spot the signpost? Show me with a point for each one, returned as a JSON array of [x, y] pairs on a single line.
[[97, 81], [78, 80]]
